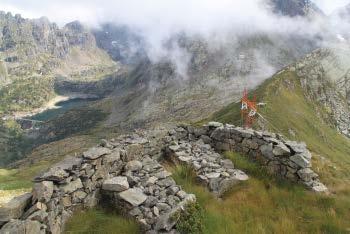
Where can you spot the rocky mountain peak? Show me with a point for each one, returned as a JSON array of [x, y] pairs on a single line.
[[295, 7]]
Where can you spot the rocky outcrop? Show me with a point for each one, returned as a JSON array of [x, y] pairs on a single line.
[[324, 75], [124, 174]]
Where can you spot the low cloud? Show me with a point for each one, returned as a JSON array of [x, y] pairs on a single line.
[[159, 20]]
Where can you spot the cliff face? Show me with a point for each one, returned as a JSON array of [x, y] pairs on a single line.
[[37, 47], [325, 77]]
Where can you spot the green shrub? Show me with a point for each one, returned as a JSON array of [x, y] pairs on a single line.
[[190, 220]]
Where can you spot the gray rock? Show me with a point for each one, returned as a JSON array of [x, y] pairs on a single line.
[[39, 216], [297, 147], [91, 200], [134, 196], [34, 208], [72, 186], [166, 182], [116, 184], [133, 152], [281, 150], [318, 187], [151, 201], [133, 165], [79, 196], [225, 185], [162, 206], [266, 151], [181, 194], [156, 211], [239, 175], [58, 172], [214, 184], [151, 180], [307, 174], [215, 124], [21, 227], [42, 191], [174, 148], [301, 161], [54, 174], [184, 159], [15, 207], [166, 222], [113, 157], [96, 152], [162, 174], [212, 175], [227, 163]]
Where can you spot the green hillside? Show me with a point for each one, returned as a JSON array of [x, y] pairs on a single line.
[[265, 205], [289, 112]]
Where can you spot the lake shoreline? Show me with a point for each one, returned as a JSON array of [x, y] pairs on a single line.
[[52, 104]]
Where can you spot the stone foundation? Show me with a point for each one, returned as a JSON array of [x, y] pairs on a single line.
[[124, 174]]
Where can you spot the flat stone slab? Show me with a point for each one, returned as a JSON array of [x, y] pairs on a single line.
[[96, 152], [116, 184], [134, 196]]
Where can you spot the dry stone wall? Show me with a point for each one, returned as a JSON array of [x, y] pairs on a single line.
[[287, 159], [212, 170], [125, 174], [119, 173]]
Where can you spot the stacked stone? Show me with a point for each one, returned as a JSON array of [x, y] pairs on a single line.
[[287, 159], [212, 170], [148, 193], [123, 165], [126, 174]]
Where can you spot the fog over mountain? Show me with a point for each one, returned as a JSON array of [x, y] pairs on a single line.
[[157, 21]]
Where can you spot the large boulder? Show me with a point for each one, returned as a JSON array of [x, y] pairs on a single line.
[[116, 184], [15, 208], [133, 196], [96, 152]]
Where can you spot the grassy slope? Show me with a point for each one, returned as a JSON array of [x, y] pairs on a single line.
[[266, 205], [288, 109], [97, 221], [271, 207]]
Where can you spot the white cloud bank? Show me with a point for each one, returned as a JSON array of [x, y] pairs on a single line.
[[159, 19]]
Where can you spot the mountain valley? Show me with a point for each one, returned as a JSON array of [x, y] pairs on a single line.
[[131, 90]]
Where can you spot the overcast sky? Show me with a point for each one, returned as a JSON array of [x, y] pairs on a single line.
[[135, 11]]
